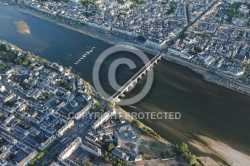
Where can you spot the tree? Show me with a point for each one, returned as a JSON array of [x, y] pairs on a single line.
[[244, 80], [192, 159], [4, 47], [183, 35], [105, 153], [208, 36], [232, 60], [57, 102], [12, 156], [71, 88], [40, 155], [87, 3], [142, 38], [173, 42], [110, 147], [28, 53], [191, 51], [54, 155], [88, 163], [47, 95], [136, 122], [183, 148], [198, 49]]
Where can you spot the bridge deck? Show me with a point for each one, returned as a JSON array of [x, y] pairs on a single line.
[[138, 74]]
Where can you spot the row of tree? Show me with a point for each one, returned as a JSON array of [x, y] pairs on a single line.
[[4, 47], [186, 153], [145, 129], [195, 50]]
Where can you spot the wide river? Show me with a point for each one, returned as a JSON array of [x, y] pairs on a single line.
[[206, 108]]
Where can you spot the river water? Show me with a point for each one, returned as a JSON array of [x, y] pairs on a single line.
[[206, 108]]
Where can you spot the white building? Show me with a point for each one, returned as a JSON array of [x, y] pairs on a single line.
[[91, 138], [76, 1], [7, 120], [91, 148], [235, 70], [70, 149], [28, 158], [209, 60], [68, 125], [103, 118], [244, 9], [156, 43], [82, 112], [47, 142]]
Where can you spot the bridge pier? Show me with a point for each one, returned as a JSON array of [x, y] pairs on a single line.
[[117, 100], [121, 95], [130, 87]]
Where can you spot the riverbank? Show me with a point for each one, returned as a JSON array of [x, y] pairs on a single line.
[[156, 104], [210, 77], [148, 140], [78, 27], [113, 40], [222, 150]]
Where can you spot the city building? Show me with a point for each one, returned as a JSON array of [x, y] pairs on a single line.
[[91, 148], [69, 149], [122, 155], [68, 125], [103, 118]]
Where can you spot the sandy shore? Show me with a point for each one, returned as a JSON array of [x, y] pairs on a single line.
[[222, 150], [22, 28]]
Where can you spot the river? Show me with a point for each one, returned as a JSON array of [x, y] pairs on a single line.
[[206, 108]]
